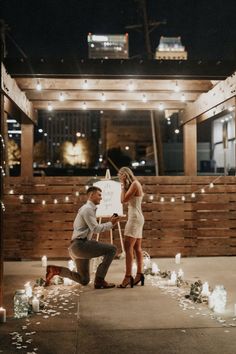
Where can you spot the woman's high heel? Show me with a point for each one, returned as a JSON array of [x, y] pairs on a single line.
[[128, 280], [141, 279]]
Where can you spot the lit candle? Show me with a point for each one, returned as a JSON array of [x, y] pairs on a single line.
[[173, 278], [155, 268], [205, 289], [2, 315], [35, 304], [44, 261], [178, 258], [67, 281], [180, 273], [28, 289]]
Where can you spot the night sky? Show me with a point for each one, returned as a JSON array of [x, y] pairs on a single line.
[[59, 28]]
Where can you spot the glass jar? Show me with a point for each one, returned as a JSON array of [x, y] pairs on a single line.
[[21, 305]]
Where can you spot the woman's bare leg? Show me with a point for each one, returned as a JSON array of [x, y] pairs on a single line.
[[139, 254], [129, 252]]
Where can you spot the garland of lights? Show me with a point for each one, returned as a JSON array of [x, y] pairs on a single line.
[[162, 199]]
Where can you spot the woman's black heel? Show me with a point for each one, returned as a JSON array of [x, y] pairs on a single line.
[[128, 280], [141, 279]]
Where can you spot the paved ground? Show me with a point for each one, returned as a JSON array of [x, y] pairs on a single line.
[[140, 320]]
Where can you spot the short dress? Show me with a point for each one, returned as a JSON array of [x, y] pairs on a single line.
[[134, 225]]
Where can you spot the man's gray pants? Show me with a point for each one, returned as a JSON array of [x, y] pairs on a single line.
[[81, 252]]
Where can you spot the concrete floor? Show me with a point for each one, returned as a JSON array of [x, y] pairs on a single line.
[[140, 320]]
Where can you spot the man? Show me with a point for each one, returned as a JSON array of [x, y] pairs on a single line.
[[83, 248]]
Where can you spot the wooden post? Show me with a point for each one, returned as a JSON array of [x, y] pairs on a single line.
[[190, 148], [2, 147], [27, 138]]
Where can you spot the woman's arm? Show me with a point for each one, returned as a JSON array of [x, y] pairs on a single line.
[[126, 195]]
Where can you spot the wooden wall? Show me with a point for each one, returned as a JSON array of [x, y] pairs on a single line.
[[200, 226]]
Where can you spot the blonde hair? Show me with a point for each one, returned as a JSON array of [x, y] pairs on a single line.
[[129, 176]]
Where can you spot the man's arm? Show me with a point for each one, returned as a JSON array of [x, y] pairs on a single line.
[[90, 219]]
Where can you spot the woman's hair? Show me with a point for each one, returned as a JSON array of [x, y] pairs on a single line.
[[129, 176]]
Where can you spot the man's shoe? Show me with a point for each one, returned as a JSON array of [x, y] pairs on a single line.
[[51, 271], [102, 284]]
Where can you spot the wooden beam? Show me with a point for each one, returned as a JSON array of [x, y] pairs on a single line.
[[219, 94], [27, 137], [80, 95], [14, 93], [108, 105], [70, 83], [190, 148]]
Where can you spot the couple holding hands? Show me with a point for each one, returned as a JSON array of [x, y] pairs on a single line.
[[83, 248]]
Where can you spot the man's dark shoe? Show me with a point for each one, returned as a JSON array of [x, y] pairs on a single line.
[[51, 271], [100, 283]]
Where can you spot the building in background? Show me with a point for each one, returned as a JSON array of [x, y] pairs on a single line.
[[70, 137], [108, 46], [171, 48]]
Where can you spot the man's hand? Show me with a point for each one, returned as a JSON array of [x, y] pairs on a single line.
[[114, 219]]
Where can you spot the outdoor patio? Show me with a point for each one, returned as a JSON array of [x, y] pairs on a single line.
[[145, 319]]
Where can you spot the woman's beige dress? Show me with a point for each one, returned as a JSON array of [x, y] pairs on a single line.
[[134, 225]]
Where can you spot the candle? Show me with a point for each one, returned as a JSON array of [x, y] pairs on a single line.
[[28, 289], [205, 289], [173, 278], [67, 281], [44, 261], [2, 315], [155, 268], [178, 258], [35, 304], [234, 309], [180, 273]]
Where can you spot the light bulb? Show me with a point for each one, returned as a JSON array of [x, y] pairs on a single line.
[[49, 107], [103, 97], [144, 99], [193, 195], [38, 86], [172, 199], [211, 185], [176, 131], [177, 88], [161, 107], [162, 199], [123, 107], [183, 198], [84, 106], [183, 98], [202, 190], [85, 84], [61, 97]]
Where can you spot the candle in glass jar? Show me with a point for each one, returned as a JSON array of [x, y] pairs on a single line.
[[44, 261], [2, 315], [35, 304]]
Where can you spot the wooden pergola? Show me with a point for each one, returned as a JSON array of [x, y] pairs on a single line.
[[209, 89]]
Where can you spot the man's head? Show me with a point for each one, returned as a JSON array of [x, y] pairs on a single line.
[[94, 194]]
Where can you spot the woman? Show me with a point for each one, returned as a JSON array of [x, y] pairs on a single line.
[[132, 193]]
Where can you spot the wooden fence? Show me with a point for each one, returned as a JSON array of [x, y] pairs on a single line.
[[200, 225]]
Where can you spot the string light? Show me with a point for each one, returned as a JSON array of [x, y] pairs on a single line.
[[85, 84], [61, 97], [123, 107], [183, 98], [183, 198], [103, 97], [161, 107], [144, 98], [76, 193], [84, 106], [38, 86], [131, 86], [193, 195], [172, 199], [50, 107], [202, 190], [176, 131], [21, 197], [55, 201], [67, 199], [151, 197], [3, 206], [11, 191], [211, 185], [176, 88], [162, 199], [32, 200]]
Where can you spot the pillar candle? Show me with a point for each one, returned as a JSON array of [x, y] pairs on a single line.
[[178, 258], [44, 261], [2, 315], [35, 304]]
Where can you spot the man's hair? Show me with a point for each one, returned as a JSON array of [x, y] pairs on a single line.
[[93, 189]]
